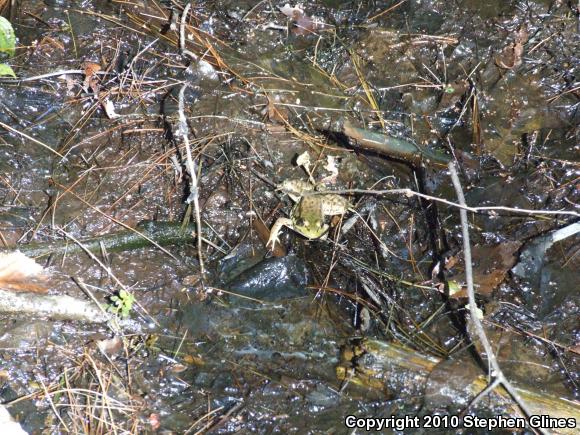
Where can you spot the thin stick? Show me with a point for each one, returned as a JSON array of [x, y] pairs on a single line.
[[107, 269], [182, 48], [48, 398], [118, 222], [24, 135], [409, 192], [386, 11], [190, 165], [78, 281], [496, 372], [51, 74]]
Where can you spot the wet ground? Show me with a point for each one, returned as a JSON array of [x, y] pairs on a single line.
[[90, 145]]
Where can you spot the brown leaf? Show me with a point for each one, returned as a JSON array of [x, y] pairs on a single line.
[[111, 346], [155, 421], [490, 267], [18, 273], [47, 43], [304, 24], [511, 56], [91, 68], [91, 79], [276, 113], [492, 263]]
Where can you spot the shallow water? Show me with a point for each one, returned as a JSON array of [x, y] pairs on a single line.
[[254, 346]]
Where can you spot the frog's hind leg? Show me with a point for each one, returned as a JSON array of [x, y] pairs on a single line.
[[275, 232]]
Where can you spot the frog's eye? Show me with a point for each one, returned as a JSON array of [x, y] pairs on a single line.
[[301, 222]]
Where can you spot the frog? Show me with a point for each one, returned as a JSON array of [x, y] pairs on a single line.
[[308, 214]]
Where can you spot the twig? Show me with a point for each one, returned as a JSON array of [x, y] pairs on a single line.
[[107, 269], [183, 131], [24, 135], [495, 372], [48, 75], [48, 398], [113, 325], [481, 395], [410, 192], [224, 418], [386, 11], [118, 222], [182, 48], [204, 417], [129, 67]]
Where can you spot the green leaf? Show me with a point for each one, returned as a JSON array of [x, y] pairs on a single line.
[[6, 70], [7, 37]]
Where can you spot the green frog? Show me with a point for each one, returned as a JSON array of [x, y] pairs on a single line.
[[309, 212]]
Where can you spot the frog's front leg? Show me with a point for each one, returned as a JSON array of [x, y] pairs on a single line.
[[275, 231]]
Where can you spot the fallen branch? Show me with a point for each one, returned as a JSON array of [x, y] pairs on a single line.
[[59, 307], [377, 367], [147, 234], [496, 375]]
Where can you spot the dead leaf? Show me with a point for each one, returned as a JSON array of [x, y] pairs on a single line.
[[91, 79], [194, 360], [155, 421], [490, 267], [332, 168], [177, 368], [111, 346], [292, 12], [511, 56], [276, 113], [453, 94], [91, 68], [492, 263], [110, 109], [70, 82], [47, 42], [19, 273], [304, 24]]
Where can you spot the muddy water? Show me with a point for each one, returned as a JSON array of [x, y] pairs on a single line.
[[256, 343]]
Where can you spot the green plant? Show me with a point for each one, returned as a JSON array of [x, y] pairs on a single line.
[[121, 303], [7, 45]]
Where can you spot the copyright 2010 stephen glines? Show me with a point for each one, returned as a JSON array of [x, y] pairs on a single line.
[[437, 421]]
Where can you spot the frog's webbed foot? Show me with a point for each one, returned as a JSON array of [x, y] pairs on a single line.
[[275, 232]]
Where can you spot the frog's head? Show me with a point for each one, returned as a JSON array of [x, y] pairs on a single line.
[[310, 228], [295, 188]]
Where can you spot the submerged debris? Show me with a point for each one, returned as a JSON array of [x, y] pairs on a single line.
[[174, 112]]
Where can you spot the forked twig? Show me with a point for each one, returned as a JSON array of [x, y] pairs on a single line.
[[495, 373], [190, 165]]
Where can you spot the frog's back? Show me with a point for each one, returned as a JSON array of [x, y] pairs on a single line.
[[295, 188], [334, 204]]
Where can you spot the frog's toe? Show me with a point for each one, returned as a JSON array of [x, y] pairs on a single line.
[[275, 232], [271, 243]]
